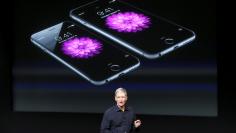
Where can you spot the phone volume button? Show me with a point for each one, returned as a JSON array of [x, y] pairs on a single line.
[[45, 50], [82, 22], [121, 74]]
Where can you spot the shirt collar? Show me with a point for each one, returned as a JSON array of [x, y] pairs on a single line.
[[118, 109]]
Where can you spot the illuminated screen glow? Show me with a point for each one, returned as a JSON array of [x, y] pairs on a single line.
[[83, 47], [128, 22]]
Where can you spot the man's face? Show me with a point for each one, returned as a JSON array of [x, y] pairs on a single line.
[[121, 98]]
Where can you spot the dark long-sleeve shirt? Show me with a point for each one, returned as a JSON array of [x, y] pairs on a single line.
[[117, 121]]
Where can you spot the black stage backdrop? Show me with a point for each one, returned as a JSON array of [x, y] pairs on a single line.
[[182, 82], [191, 106]]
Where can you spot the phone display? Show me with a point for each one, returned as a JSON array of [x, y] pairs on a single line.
[[139, 31], [93, 58]]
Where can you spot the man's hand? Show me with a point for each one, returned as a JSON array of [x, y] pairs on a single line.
[[137, 123]]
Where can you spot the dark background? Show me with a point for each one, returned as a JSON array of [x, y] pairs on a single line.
[[180, 83], [198, 11]]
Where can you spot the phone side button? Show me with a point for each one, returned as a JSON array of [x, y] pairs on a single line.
[[176, 47], [44, 49], [121, 74]]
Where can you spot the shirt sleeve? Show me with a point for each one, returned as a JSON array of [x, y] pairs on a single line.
[[105, 126]]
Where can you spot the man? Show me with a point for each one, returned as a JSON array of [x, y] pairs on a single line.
[[120, 118]]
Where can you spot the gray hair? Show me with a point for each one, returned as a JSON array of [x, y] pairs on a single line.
[[122, 90]]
